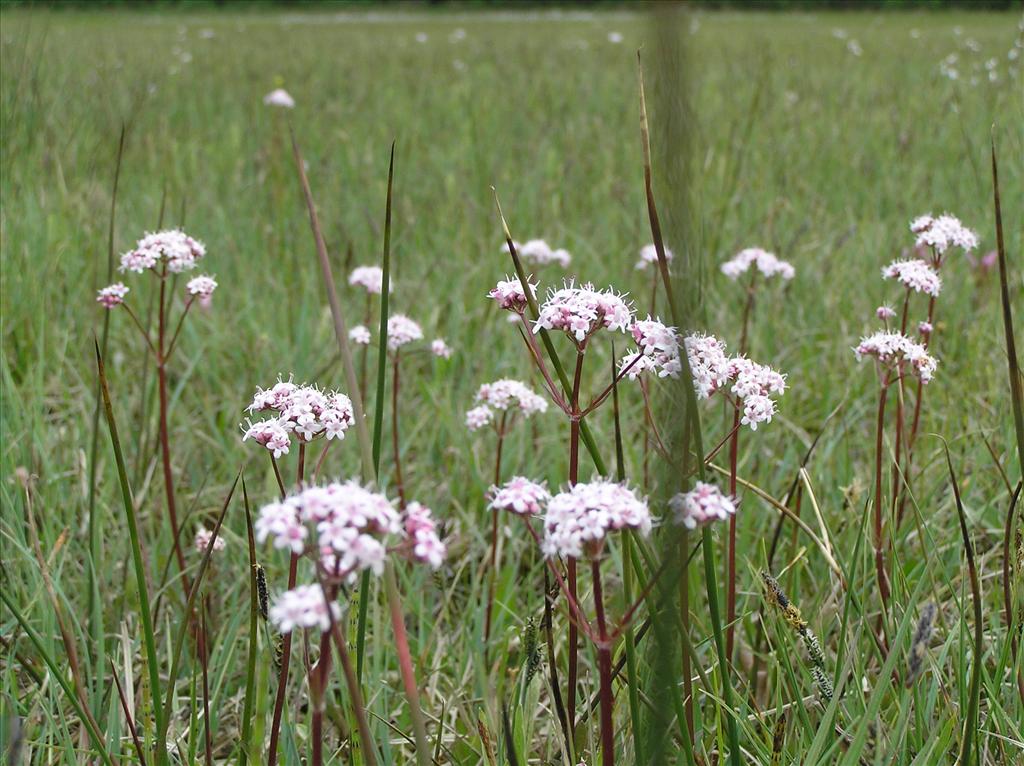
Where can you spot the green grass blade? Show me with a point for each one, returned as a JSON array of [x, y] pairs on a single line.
[[250, 667]]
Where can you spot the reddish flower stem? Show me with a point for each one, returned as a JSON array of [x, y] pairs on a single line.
[[399, 486], [494, 537], [883, 580], [574, 467], [730, 631], [604, 662]]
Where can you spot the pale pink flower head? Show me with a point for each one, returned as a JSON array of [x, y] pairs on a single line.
[[201, 286], [579, 519], [173, 248], [421, 530], [581, 311], [885, 313], [702, 505], [510, 295], [359, 335], [204, 539], [915, 274], [754, 385], [402, 331], [659, 347], [893, 350], [507, 394], [540, 252], [521, 496], [439, 348], [370, 278], [709, 365], [304, 607], [279, 98], [943, 232], [649, 257], [300, 412], [479, 417], [112, 295], [767, 263], [925, 328]]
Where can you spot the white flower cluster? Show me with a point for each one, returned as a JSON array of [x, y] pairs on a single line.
[[352, 524], [201, 286], [942, 232], [915, 274], [580, 311], [279, 98], [370, 278], [767, 263], [112, 295], [204, 539], [578, 520], [891, 349], [753, 384], [540, 252], [173, 247], [402, 331], [359, 335], [701, 505], [649, 256], [510, 295], [421, 530], [301, 411], [439, 348], [503, 395], [304, 607], [521, 496]]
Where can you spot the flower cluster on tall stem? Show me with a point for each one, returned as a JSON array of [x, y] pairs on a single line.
[[164, 255], [755, 261], [577, 525], [499, 405]]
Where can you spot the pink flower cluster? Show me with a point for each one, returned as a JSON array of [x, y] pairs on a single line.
[[370, 278], [753, 385], [578, 520], [649, 256], [581, 311], [943, 232], [510, 295], [701, 505], [421, 530], [204, 538], [915, 274], [767, 263], [709, 364], [521, 496], [892, 349], [302, 411], [439, 348], [112, 295], [304, 607], [503, 395], [174, 248], [201, 286], [659, 350], [359, 335], [540, 252], [402, 331]]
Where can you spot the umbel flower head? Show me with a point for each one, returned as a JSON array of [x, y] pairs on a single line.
[[359, 335], [504, 395], [942, 233], [767, 263], [510, 295], [892, 349], [659, 349], [304, 607], [540, 252], [915, 274], [440, 348], [355, 529], [649, 256], [172, 248], [279, 98], [370, 278], [112, 295], [578, 520], [204, 539], [581, 311], [299, 411], [201, 286], [402, 331], [701, 505], [521, 496]]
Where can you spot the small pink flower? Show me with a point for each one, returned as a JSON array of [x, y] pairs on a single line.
[[402, 331], [204, 538], [370, 278], [925, 328], [478, 417], [112, 295], [885, 313], [510, 295], [439, 348], [202, 286], [649, 256], [767, 263], [359, 335], [915, 274], [519, 495], [279, 98], [701, 505]]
